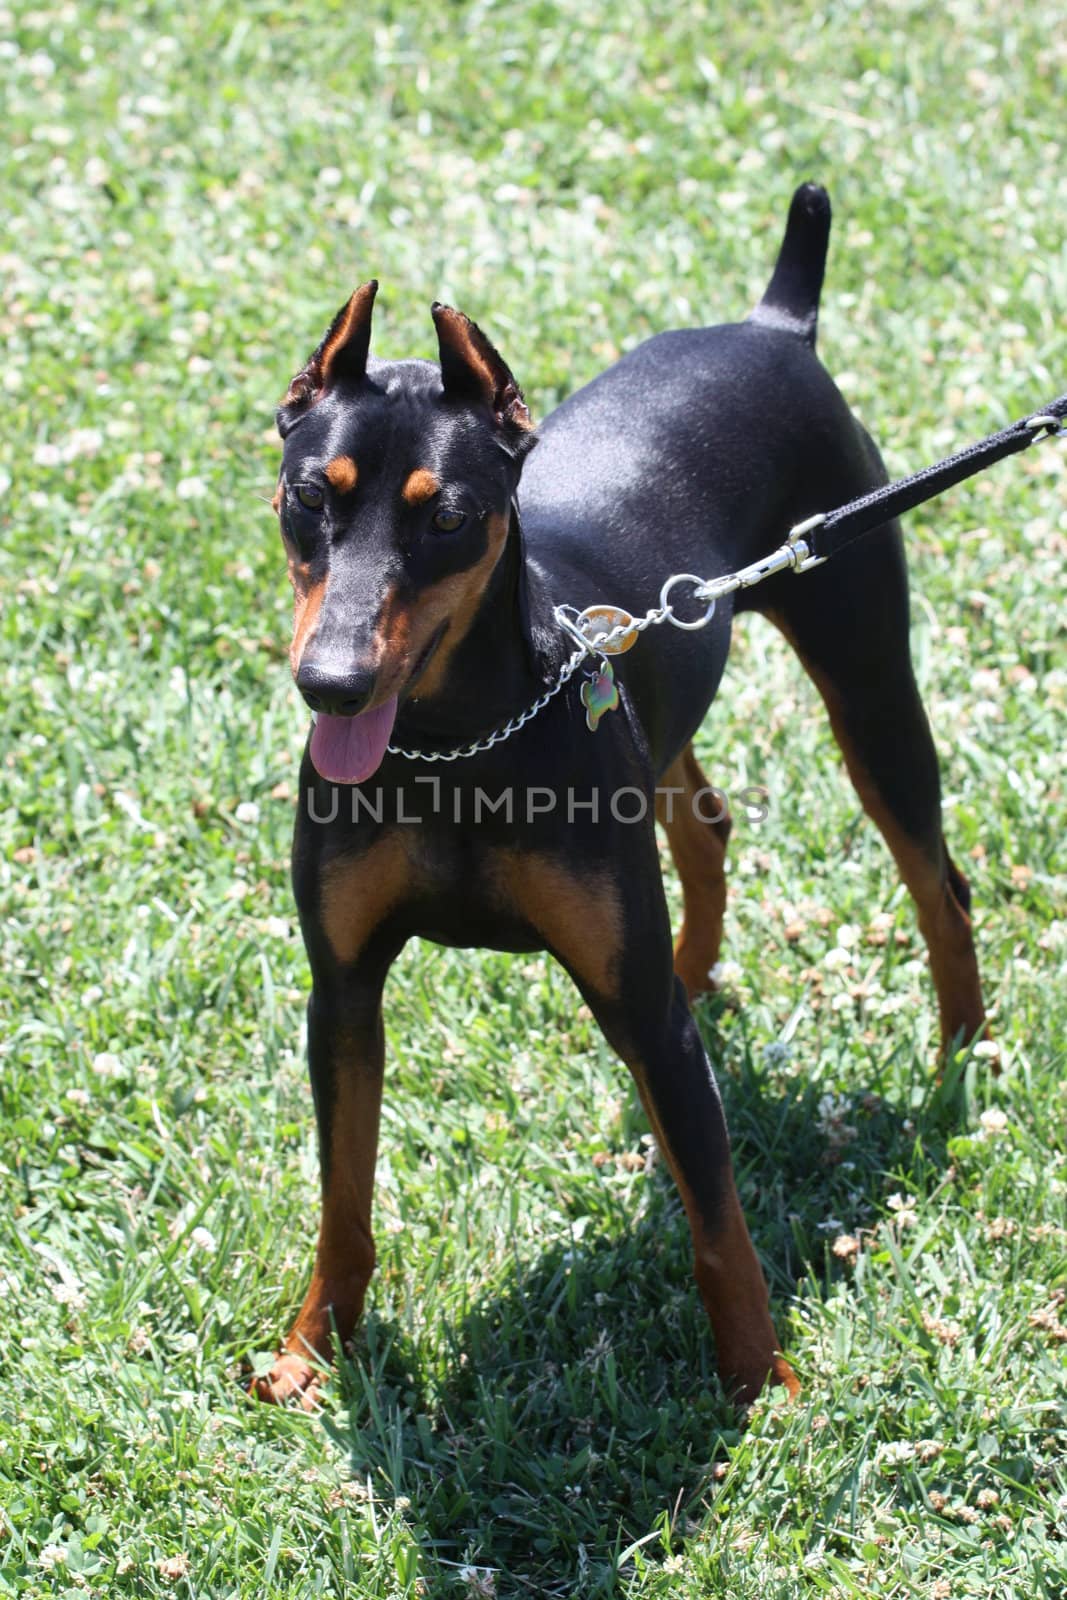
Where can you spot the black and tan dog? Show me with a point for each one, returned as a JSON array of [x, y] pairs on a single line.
[[426, 577]]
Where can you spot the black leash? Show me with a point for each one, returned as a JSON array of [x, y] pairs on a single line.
[[828, 535]]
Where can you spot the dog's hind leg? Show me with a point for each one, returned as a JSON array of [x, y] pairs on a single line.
[[848, 623], [697, 823]]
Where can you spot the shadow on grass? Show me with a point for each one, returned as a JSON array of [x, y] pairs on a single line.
[[578, 1413]]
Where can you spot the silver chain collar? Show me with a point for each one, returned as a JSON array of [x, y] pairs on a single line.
[[566, 672]]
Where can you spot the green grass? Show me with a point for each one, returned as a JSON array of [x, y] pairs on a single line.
[[530, 1408]]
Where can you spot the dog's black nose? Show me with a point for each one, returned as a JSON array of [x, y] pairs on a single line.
[[340, 694]]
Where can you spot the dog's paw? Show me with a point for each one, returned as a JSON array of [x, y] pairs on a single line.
[[745, 1387], [782, 1375], [292, 1380], [696, 975]]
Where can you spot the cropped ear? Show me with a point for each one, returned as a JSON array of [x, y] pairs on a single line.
[[342, 355], [471, 370]]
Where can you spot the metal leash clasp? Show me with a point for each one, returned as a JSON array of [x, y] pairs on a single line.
[[803, 556]]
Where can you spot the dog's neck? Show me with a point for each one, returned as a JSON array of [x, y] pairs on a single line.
[[502, 664]]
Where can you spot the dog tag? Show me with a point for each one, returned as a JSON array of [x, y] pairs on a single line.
[[600, 693], [595, 622]]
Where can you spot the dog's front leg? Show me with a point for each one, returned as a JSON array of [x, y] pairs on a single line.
[[658, 1039], [346, 1057], [677, 1088], [602, 913]]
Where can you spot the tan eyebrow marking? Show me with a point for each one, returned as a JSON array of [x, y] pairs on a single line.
[[421, 485], [342, 473]]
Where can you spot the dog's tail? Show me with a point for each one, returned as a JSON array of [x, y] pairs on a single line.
[[791, 301]]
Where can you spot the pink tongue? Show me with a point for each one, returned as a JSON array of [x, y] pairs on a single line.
[[350, 749]]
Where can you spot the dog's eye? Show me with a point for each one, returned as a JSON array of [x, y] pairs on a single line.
[[448, 521], [309, 496]]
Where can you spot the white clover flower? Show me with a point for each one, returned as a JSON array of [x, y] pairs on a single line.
[[49, 133], [68, 1293], [832, 1111], [64, 197], [193, 488], [479, 1581], [82, 442], [247, 811], [993, 1121], [203, 1239], [903, 1209], [777, 1053]]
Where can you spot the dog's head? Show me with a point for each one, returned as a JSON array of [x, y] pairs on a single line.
[[394, 498]]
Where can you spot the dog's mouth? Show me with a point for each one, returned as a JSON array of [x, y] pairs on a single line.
[[351, 749]]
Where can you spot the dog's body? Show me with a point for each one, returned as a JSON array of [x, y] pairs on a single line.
[[695, 453]]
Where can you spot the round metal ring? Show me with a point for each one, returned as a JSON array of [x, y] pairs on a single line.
[[684, 577]]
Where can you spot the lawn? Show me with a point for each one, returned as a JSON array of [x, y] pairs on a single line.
[[530, 1407]]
